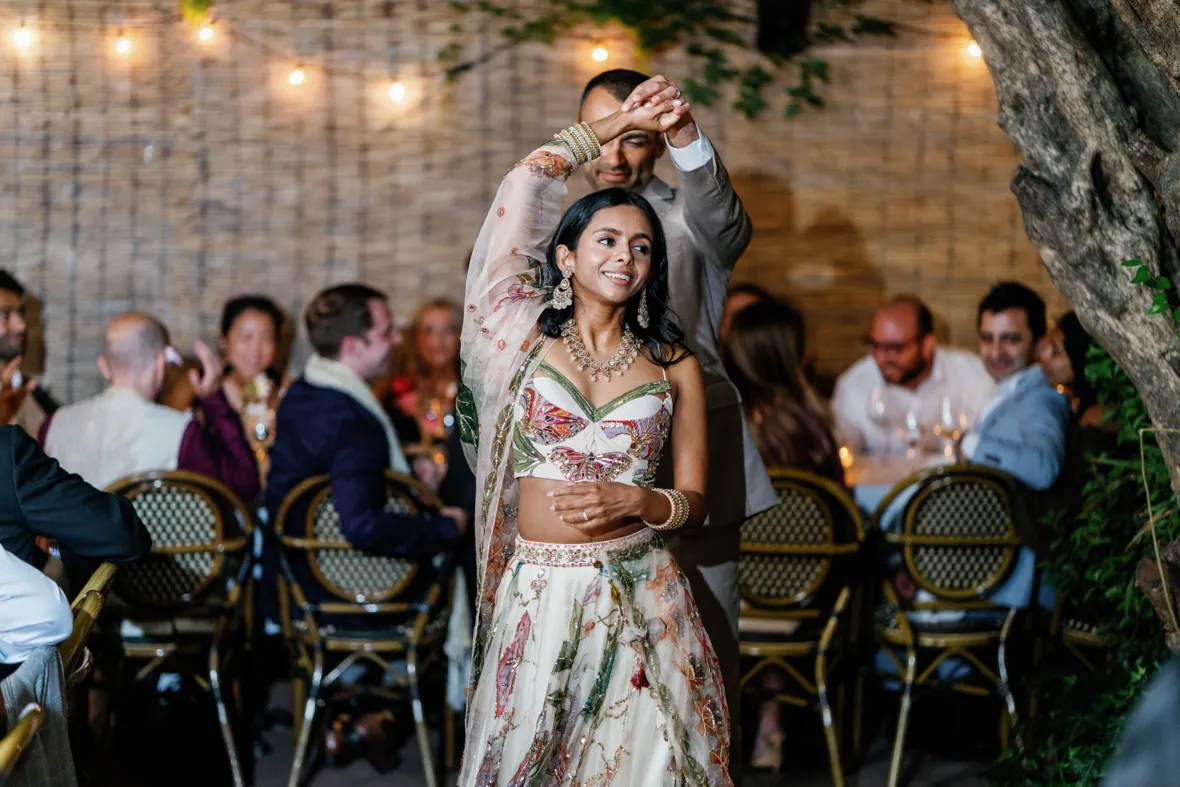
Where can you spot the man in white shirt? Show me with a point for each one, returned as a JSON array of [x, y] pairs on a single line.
[[34, 612], [906, 372]]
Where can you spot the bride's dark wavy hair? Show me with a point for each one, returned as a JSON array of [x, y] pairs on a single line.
[[662, 331]]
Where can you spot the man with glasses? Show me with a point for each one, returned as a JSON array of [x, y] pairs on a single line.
[[907, 382], [24, 405]]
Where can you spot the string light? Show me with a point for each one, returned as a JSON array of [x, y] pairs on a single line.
[[297, 76], [22, 38], [123, 45], [600, 54], [397, 91], [205, 34], [974, 50]]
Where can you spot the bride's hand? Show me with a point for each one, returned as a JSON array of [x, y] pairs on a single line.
[[596, 508], [659, 116]]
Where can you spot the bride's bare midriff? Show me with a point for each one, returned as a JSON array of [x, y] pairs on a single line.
[[535, 522]]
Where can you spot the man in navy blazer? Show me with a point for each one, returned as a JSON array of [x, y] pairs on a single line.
[[330, 422]]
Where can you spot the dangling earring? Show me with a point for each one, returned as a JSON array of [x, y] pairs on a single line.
[[644, 317], [563, 293]]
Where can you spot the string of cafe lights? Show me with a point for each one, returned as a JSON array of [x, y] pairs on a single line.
[[23, 37]]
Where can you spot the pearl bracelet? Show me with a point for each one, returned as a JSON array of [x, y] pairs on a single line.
[[680, 510]]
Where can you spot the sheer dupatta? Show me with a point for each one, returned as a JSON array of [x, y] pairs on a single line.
[[500, 349]]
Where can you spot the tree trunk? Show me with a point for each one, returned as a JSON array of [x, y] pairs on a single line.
[[1088, 91]]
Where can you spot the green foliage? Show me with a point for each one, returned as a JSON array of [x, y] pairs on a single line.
[[195, 11], [708, 29], [1092, 559]]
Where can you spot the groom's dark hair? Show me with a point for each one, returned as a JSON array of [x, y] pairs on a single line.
[[337, 313], [619, 82]]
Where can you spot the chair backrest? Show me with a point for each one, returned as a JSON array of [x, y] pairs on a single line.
[[803, 550], [200, 534], [958, 531], [87, 606], [308, 527]]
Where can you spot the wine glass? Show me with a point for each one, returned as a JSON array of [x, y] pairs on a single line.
[[912, 433], [949, 426]]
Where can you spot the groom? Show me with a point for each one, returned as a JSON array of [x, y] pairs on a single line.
[[707, 230]]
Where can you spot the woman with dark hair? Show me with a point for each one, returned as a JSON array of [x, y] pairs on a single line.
[[793, 428], [791, 424], [1063, 358], [591, 663]]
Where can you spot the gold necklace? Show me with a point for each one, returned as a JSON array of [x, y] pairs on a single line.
[[619, 362]]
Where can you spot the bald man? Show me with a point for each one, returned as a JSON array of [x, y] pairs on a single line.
[[906, 371], [123, 431]]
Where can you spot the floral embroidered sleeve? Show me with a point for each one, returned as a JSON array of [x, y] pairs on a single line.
[[503, 302]]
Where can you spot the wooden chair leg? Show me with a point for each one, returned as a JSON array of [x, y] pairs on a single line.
[[903, 718]]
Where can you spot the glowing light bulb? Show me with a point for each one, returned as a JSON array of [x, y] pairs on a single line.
[[205, 34], [22, 37], [297, 77], [123, 45], [974, 50], [600, 54], [397, 91]]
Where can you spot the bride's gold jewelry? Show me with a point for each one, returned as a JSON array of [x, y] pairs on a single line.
[[619, 362]]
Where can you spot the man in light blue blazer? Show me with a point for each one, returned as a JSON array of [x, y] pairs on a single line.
[[1021, 428]]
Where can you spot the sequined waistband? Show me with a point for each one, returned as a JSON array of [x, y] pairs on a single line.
[[574, 555]]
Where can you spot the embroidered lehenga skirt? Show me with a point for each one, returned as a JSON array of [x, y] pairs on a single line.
[[598, 672]]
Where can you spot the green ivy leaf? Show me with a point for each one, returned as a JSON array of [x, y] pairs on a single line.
[[1162, 283], [872, 26], [1131, 263], [792, 109], [818, 68], [1142, 276]]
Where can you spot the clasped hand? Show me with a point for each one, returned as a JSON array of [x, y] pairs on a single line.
[[596, 508], [656, 105]]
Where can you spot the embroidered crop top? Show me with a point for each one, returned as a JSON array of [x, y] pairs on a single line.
[[562, 437]]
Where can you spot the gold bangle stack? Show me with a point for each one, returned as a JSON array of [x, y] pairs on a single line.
[[581, 142], [680, 510]]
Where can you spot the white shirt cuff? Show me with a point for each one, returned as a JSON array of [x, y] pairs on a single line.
[[969, 445], [694, 156]]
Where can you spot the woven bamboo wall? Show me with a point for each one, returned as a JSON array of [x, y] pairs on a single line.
[[177, 175]]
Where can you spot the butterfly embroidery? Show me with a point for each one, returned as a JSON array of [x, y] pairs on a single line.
[[578, 467], [647, 434], [506, 673], [544, 422]]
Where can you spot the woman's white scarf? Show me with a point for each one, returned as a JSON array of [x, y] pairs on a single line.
[[326, 373]]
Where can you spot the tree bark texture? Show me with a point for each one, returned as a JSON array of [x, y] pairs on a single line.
[[1089, 91]]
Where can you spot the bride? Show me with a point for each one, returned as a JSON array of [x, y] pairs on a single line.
[[591, 664]]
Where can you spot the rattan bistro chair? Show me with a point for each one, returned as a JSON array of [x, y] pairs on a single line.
[[800, 570], [958, 541], [184, 601], [87, 605], [381, 610], [18, 737]]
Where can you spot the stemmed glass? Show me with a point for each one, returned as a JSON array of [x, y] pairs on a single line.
[[912, 434], [950, 426]]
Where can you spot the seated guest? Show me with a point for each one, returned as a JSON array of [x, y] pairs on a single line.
[[1021, 428], [41, 502], [793, 429], [1062, 357], [331, 422], [34, 613], [13, 335], [905, 371], [423, 388], [791, 424], [426, 369], [250, 328], [123, 431], [744, 294]]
